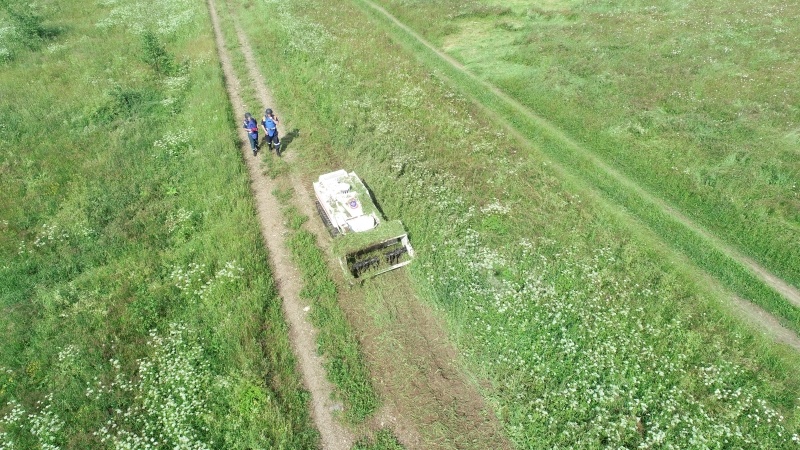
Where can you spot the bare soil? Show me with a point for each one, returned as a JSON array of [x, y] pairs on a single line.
[[428, 402]]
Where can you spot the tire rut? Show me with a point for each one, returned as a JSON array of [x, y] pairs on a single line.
[[428, 403]]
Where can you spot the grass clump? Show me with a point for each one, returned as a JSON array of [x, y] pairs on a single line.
[[23, 28], [384, 440]]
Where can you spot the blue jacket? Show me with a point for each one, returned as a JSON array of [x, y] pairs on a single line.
[[252, 127], [270, 126]]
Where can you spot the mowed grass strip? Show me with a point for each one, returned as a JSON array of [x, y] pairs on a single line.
[[587, 333], [137, 307]]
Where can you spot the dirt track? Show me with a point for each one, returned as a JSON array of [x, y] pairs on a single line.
[[302, 333]]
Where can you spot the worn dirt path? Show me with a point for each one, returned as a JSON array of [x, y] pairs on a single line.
[[287, 279], [766, 322], [756, 314]]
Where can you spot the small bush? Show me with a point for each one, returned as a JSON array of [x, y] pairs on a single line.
[[28, 24], [156, 56]]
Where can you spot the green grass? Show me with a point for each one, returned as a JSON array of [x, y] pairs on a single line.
[[384, 440], [589, 330], [700, 118], [576, 162], [134, 287], [337, 343]]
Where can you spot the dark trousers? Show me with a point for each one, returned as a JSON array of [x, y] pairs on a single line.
[[253, 138], [273, 141]]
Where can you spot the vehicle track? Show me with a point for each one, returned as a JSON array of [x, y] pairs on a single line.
[[755, 313], [302, 333]]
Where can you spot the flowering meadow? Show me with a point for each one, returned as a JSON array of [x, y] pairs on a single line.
[[582, 327], [138, 309]]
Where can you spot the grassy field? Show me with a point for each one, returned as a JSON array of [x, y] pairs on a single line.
[[589, 330], [576, 162], [694, 101], [138, 310]]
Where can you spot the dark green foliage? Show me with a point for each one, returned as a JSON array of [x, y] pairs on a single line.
[[294, 220], [155, 54], [126, 104]]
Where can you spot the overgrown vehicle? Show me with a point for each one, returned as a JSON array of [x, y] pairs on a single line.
[[367, 244]]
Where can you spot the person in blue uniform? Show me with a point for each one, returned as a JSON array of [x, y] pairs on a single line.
[[251, 126], [270, 125]]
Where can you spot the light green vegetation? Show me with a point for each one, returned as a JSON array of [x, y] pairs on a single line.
[[694, 101], [138, 310], [22, 28], [574, 161], [590, 331]]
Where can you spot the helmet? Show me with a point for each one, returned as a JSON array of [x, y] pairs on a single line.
[[268, 111]]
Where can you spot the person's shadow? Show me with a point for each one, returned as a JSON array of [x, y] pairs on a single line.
[[287, 139]]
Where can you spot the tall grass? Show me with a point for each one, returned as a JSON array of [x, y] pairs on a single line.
[[138, 309], [589, 331]]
